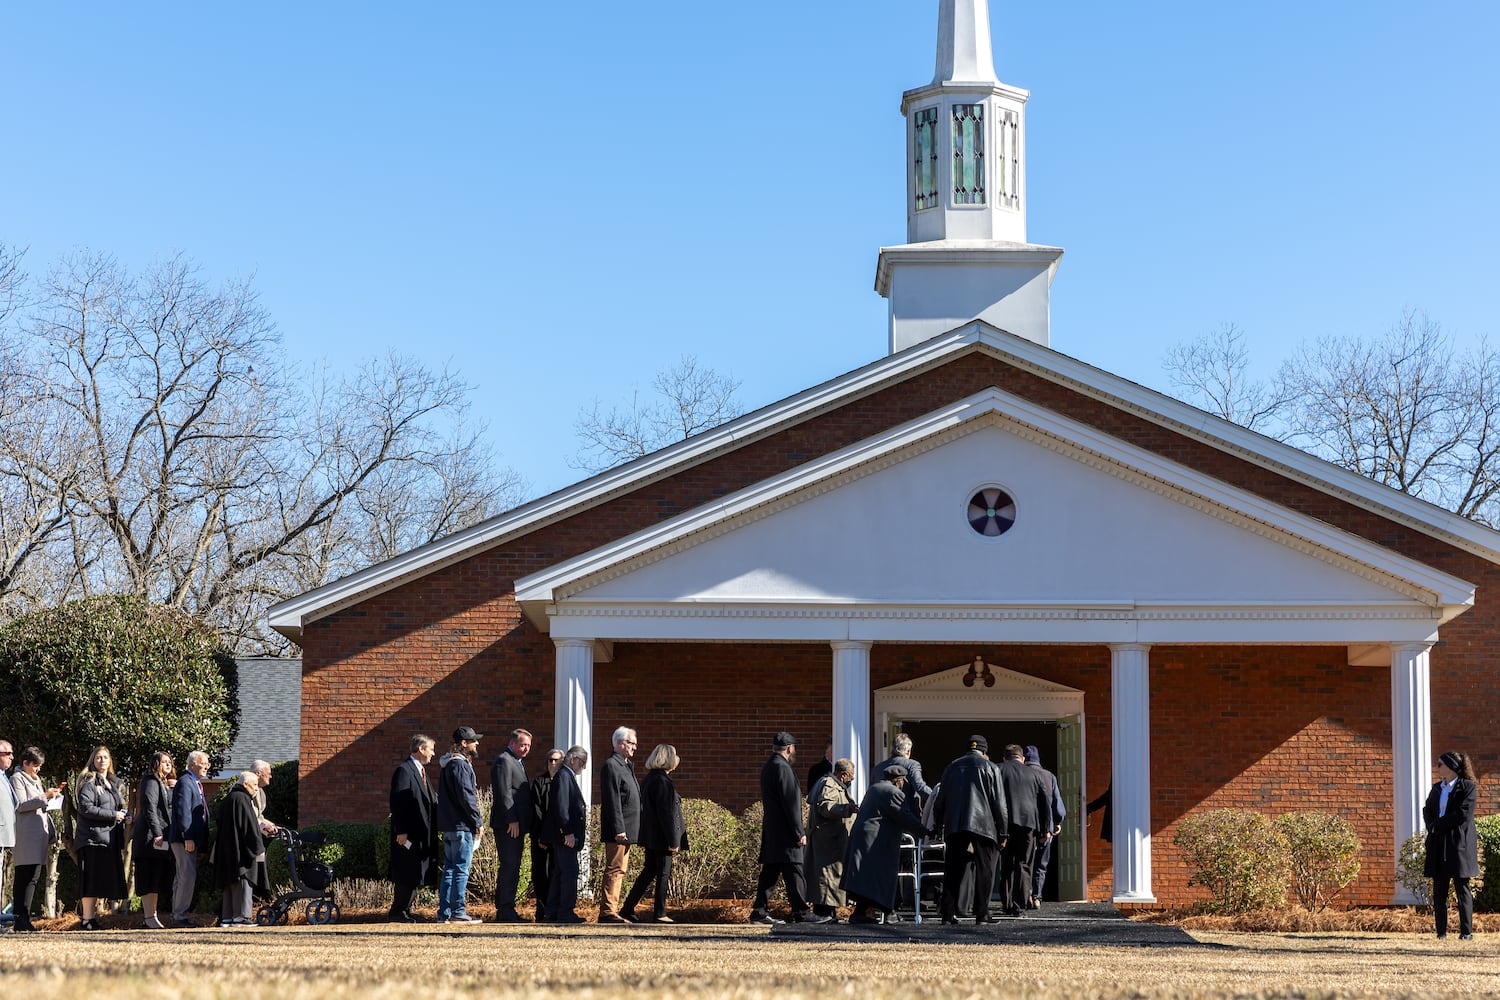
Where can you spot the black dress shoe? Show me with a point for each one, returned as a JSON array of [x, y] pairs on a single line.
[[948, 918], [765, 918], [860, 918], [1461, 937]]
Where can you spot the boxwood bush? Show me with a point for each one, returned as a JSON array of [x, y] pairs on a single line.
[[1240, 856]]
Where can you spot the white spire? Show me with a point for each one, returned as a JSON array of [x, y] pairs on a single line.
[[966, 256], [964, 52]]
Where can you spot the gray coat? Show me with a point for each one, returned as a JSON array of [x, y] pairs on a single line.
[[99, 798], [35, 828], [874, 854], [7, 815]]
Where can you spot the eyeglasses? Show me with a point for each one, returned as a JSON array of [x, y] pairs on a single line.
[[7, 753]]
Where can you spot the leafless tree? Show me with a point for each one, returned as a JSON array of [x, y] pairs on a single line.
[[167, 449], [688, 399], [1409, 410], [1212, 371]]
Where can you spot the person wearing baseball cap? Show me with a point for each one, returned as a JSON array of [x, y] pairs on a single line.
[[970, 804], [459, 823]]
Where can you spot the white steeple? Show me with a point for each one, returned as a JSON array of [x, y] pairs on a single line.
[[967, 256]]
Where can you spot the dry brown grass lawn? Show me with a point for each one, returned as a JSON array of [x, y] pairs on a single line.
[[398, 962]]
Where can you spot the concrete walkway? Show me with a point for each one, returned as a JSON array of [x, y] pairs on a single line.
[[1055, 924]]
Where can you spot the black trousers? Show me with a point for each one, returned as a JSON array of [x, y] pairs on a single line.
[[789, 872], [1440, 904], [658, 868], [562, 892], [541, 876], [965, 851], [23, 893], [1015, 868], [509, 849]]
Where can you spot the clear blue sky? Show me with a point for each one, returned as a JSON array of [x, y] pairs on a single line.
[[561, 198]]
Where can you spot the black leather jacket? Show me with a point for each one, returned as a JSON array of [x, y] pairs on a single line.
[[971, 800]]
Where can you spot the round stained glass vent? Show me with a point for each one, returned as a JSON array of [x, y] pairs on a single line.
[[991, 512]]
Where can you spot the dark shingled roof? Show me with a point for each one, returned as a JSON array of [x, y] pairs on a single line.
[[270, 711]]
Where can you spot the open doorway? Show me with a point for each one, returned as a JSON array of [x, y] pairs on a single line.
[[939, 711], [935, 742]]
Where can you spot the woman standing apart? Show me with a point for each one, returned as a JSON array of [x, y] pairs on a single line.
[[154, 867], [100, 837], [35, 832], [1452, 841], [663, 832]]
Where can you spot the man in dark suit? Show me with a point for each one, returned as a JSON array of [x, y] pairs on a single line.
[[510, 818], [188, 834], [413, 822], [970, 804], [619, 820], [782, 837], [1030, 806], [563, 831]]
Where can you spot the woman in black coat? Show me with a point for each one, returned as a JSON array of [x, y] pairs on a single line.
[[100, 836], [1452, 841], [663, 832], [154, 867]]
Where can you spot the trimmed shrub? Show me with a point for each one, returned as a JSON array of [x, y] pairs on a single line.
[[1238, 855], [120, 671], [1414, 858], [1487, 894], [281, 794], [707, 868], [1323, 855], [1409, 868]]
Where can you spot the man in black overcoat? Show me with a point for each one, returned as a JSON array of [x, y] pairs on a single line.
[[874, 853], [1030, 803], [782, 836], [237, 851], [510, 818], [970, 804], [413, 822], [1042, 853], [563, 832], [541, 855]]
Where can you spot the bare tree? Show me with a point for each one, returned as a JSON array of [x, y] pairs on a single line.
[[170, 452], [688, 399], [1409, 410], [1212, 371]]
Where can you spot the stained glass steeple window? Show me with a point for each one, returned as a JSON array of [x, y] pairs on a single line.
[[925, 158], [968, 154]]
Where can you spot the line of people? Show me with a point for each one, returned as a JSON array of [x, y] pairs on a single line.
[[551, 809], [167, 830], [997, 819]]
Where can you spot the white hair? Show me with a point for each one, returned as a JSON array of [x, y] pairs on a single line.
[[250, 780], [576, 753], [620, 735], [903, 745], [197, 755]]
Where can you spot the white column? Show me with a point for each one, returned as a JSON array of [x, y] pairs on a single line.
[[1411, 743], [1130, 684], [851, 710], [573, 720]]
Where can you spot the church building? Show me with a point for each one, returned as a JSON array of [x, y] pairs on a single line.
[[973, 533]]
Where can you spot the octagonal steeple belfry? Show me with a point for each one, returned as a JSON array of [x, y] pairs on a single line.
[[966, 255]]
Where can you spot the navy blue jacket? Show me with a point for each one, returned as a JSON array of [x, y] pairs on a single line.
[[458, 796], [189, 813]]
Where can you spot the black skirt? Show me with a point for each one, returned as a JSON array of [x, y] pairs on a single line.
[[101, 873], [154, 871]]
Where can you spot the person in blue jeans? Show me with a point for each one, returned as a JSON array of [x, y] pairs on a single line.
[[458, 823]]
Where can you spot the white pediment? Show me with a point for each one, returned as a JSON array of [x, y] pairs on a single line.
[[979, 690], [1100, 527]]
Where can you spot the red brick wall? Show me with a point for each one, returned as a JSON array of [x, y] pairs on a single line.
[[1251, 726]]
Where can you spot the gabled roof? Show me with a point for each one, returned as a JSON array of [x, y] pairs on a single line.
[[289, 616]]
